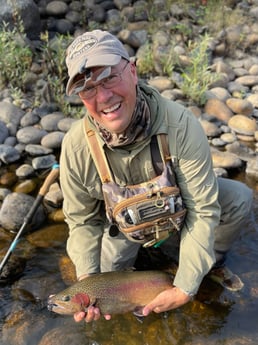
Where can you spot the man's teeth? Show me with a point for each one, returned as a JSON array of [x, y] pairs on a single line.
[[111, 109]]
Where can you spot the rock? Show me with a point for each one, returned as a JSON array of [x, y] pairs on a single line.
[[253, 99], [225, 160], [252, 168], [50, 122], [15, 208], [160, 83], [49, 236], [9, 113], [3, 132], [218, 109], [53, 140], [240, 106], [28, 12], [210, 128], [44, 162], [248, 80], [9, 154], [26, 186], [25, 170], [30, 135], [242, 124]]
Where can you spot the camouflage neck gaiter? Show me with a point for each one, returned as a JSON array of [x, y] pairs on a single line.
[[138, 129]]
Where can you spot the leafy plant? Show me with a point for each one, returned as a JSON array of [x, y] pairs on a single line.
[[15, 56], [53, 59], [197, 76]]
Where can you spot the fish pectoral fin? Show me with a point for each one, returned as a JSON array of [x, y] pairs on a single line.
[[92, 303], [138, 312]]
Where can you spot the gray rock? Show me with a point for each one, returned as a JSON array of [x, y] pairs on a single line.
[[53, 140], [29, 13], [15, 208], [44, 162], [9, 113], [37, 150], [50, 121], [9, 154], [30, 135], [3, 132]]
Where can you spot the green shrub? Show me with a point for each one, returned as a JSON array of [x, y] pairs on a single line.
[[15, 56], [197, 76]]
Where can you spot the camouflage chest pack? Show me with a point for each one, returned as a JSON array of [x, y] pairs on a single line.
[[147, 213]]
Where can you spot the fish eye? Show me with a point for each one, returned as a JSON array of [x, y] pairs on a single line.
[[66, 298]]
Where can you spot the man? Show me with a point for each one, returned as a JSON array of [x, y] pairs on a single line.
[[125, 114]]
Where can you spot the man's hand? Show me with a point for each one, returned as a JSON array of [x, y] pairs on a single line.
[[167, 300], [93, 313]]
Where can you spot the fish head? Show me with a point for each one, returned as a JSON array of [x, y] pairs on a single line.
[[68, 304]]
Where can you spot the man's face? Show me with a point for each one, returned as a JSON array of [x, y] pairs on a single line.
[[113, 107]]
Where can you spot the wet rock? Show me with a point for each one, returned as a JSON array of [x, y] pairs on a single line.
[[65, 335], [27, 186], [14, 209], [49, 236], [242, 124], [8, 179], [67, 270], [4, 192], [18, 329], [13, 269], [56, 216]]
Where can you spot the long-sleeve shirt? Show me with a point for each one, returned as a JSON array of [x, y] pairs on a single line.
[[84, 207]]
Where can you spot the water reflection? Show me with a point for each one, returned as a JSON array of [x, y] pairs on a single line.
[[216, 316]]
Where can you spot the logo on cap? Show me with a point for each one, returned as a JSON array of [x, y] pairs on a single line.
[[81, 45]]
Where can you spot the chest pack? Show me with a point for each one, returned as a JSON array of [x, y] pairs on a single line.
[[147, 213]]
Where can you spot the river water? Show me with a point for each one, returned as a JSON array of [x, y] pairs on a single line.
[[215, 316]]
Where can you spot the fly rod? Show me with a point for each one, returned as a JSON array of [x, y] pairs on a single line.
[[52, 176]]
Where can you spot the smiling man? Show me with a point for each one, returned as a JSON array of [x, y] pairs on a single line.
[[197, 224]]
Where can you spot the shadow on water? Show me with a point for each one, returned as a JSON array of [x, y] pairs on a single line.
[[215, 316]]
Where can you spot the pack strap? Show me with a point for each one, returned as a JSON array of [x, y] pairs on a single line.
[[97, 153], [100, 159], [163, 147]]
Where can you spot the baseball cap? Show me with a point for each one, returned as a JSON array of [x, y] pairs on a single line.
[[94, 48]]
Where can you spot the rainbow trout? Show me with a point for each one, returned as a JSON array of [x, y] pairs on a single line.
[[112, 292]]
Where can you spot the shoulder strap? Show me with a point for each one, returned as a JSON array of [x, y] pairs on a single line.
[[163, 147], [100, 159], [98, 154]]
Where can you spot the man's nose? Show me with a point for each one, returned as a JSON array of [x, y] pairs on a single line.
[[102, 94]]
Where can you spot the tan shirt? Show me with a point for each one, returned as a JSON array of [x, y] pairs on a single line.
[[83, 200]]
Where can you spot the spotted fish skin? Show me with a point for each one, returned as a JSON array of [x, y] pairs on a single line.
[[112, 292]]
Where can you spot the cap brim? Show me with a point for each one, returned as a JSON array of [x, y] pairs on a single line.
[[94, 61]]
